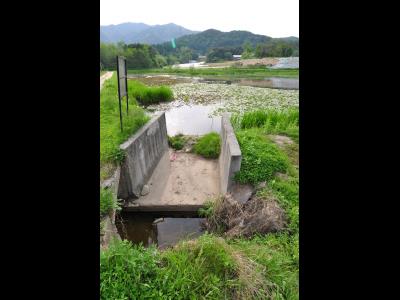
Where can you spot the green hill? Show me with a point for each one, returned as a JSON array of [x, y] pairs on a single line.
[[202, 42]]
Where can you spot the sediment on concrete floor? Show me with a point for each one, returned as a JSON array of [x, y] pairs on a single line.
[[181, 182]]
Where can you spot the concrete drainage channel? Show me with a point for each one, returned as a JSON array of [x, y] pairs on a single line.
[[162, 190]]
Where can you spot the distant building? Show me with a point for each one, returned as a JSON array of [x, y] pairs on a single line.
[[237, 57]]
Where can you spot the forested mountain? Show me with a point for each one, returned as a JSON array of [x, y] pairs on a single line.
[[130, 33], [212, 38]]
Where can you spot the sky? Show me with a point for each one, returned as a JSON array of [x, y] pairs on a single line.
[[274, 18]]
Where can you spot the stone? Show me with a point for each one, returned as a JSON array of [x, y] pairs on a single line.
[[158, 220], [145, 190], [261, 185]]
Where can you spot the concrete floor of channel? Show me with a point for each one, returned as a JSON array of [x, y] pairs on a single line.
[[181, 181]]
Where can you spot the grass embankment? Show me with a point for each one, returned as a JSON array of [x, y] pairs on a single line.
[[149, 95], [111, 136], [110, 131], [278, 252], [258, 147], [231, 71], [261, 267]]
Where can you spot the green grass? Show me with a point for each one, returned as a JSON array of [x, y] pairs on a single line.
[[108, 202], [208, 146], [176, 142], [278, 254], [231, 71], [271, 121], [205, 269], [110, 132], [149, 95], [261, 158]]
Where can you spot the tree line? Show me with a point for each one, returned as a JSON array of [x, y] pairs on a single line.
[[143, 56]]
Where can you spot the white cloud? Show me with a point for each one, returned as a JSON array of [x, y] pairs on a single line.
[[276, 18]]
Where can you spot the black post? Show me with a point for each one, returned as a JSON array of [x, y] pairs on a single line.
[[126, 86], [119, 95]]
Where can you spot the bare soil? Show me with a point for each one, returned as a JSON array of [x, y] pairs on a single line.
[[247, 62]]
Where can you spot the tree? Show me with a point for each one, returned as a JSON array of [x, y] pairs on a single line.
[[248, 51]]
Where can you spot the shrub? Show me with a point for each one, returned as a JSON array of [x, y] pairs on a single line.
[[176, 142], [208, 145], [261, 159], [107, 201]]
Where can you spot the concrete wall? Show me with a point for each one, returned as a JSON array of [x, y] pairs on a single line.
[[230, 157], [110, 230], [143, 152]]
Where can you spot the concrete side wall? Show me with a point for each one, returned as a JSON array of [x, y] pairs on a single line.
[[143, 151], [230, 157], [110, 230]]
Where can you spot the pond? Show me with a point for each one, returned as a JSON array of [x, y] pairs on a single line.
[[266, 82], [192, 119], [198, 106]]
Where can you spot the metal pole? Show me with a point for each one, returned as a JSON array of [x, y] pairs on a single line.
[[126, 87], [119, 95]]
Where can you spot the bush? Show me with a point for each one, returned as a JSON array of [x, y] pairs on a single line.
[[261, 159], [176, 142], [107, 202], [208, 145], [149, 95]]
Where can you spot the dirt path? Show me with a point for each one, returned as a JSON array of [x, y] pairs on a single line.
[[104, 78]]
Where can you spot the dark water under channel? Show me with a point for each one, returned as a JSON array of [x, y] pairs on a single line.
[[161, 229]]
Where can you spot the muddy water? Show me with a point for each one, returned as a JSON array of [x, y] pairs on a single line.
[[192, 120], [163, 230]]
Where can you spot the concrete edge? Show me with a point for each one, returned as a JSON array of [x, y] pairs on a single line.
[[133, 138], [231, 155], [231, 137], [163, 208]]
